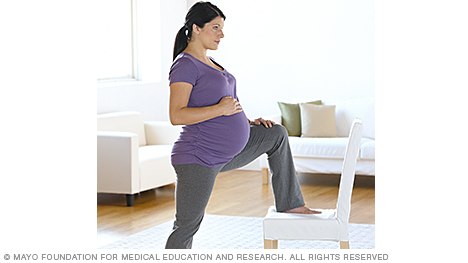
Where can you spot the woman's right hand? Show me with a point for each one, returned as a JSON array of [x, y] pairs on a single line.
[[229, 106]]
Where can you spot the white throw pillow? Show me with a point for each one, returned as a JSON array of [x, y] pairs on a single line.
[[318, 120]]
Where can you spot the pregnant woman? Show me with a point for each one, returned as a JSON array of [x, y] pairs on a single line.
[[217, 136]]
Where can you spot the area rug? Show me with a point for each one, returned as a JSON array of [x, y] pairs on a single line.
[[235, 232]]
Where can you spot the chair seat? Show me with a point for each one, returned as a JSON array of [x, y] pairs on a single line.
[[284, 226]]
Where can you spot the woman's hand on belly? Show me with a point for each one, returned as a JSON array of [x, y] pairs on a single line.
[[229, 106], [181, 114]]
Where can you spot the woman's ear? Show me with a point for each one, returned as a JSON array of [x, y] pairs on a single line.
[[196, 29]]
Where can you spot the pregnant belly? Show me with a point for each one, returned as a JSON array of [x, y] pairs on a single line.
[[226, 135], [215, 141]]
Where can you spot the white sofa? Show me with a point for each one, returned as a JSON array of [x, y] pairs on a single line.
[[325, 155], [133, 155]]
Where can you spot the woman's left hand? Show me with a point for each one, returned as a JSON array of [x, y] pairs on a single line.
[[261, 121]]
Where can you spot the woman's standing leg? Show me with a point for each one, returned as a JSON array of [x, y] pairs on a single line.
[[193, 189], [274, 142]]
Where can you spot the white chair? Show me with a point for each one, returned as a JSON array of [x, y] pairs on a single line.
[[133, 155], [331, 224]]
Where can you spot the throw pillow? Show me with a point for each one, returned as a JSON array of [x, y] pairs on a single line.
[[318, 120], [291, 116]]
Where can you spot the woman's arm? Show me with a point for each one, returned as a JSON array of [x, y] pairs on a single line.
[[180, 114]]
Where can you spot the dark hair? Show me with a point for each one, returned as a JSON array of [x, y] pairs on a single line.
[[199, 14]]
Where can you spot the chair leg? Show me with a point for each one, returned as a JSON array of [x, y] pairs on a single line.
[[265, 175], [270, 244], [344, 244]]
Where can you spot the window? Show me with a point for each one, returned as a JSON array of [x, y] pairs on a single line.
[[128, 40], [115, 40]]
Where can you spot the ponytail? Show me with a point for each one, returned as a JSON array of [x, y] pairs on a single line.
[[199, 14], [181, 41]]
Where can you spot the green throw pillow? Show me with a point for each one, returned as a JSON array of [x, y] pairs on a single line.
[[291, 116]]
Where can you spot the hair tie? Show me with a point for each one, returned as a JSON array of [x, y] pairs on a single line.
[[187, 30]]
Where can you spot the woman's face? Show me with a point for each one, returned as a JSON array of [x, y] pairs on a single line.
[[210, 35]]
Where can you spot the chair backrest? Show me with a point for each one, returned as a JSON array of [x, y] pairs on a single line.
[[124, 121], [343, 205]]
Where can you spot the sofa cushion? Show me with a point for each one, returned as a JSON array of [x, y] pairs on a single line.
[[155, 169], [150, 152], [368, 150], [333, 148], [291, 116], [318, 120]]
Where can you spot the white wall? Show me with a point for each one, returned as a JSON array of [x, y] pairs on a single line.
[[298, 50], [150, 98], [278, 50]]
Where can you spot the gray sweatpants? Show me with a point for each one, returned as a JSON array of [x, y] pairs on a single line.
[[195, 182]]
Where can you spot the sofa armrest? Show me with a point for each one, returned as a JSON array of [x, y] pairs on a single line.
[[117, 162], [161, 132]]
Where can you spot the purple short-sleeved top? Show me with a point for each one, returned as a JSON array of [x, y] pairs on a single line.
[[215, 141]]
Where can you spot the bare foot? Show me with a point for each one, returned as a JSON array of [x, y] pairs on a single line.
[[303, 210]]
